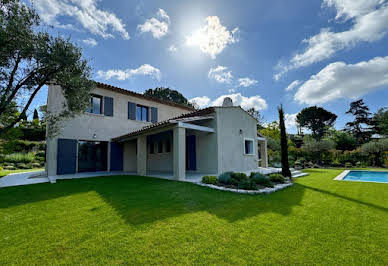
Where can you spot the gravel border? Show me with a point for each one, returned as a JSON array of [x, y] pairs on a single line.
[[243, 191]]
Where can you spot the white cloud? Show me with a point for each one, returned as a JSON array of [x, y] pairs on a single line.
[[238, 100], [213, 37], [86, 13], [370, 24], [246, 82], [172, 48], [157, 26], [220, 74], [201, 101], [90, 41], [143, 70], [293, 85], [290, 121], [341, 80]]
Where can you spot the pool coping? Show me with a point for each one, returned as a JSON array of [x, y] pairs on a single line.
[[341, 176]]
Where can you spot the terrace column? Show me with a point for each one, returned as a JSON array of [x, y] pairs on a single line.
[[179, 153], [142, 155], [264, 153]]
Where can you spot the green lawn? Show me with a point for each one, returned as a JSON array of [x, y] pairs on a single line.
[[7, 172], [137, 220]]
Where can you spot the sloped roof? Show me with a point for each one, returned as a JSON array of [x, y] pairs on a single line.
[[201, 112], [139, 95]]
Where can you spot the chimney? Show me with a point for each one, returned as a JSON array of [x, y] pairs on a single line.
[[228, 102]]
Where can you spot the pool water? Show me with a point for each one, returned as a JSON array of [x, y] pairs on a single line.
[[367, 176]]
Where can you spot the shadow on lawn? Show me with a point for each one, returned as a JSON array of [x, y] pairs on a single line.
[[140, 200]]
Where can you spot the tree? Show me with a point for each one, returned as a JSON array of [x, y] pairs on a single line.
[[30, 59], [317, 119], [361, 126], [283, 144], [35, 117], [375, 148], [344, 141], [380, 121], [168, 95], [272, 130], [256, 114]]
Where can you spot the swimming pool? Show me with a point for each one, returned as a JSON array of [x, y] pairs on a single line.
[[364, 176]]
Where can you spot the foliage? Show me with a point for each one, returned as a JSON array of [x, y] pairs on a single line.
[[22, 146], [19, 157], [168, 95], [272, 130], [317, 119], [35, 115], [344, 141], [213, 180], [283, 144], [377, 149], [361, 126], [261, 179], [225, 177], [380, 121], [312, 145], [239, 177], [30, 59], [256, 114], [247, 185], [348, 165], [277, 178]]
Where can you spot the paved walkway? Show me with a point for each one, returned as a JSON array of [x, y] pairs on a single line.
[[26, 178]]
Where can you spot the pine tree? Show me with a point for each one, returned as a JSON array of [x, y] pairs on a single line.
[[283, 144], [361, 126]]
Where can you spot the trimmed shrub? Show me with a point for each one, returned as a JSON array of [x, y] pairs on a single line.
[[22, 166], [40, 154], [262, 180], [247, 185], [213, 180], [225, 178], [20, 157], [348, 165], [9, 167], [240, 177], [277, 178], [1, 168]]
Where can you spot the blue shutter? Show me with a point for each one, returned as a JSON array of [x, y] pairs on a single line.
[[154, 115], [116, 156], [131, 111], [67, 156], [108, 106]]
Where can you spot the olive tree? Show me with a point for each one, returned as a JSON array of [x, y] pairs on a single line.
[[30, 59]]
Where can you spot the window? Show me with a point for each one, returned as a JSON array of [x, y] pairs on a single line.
[[141, 113], [95, 105], [248, 147], [168, 145], [160, 147]]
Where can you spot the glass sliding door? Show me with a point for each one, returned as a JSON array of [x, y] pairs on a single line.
[[92, 156]]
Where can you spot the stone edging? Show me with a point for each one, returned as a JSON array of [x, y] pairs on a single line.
[[243, 191]]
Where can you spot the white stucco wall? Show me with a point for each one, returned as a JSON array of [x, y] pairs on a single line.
[[99, 127], [231, 143], [129, 156]]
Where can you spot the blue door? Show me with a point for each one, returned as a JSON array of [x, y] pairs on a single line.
[[191, 154]]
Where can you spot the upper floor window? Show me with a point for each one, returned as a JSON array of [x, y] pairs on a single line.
[[95, 106], [141, 113]]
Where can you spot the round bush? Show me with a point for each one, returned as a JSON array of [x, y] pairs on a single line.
[[35, 165], [348, 165], [240, 177], [225, 178], [9, 167], [277, 178], [262, 180], [213, 180]]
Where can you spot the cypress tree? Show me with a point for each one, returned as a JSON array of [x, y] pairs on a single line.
[[283, 144], [36, 115]]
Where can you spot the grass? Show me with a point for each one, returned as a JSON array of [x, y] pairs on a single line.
[[139, 220], [7, 172]]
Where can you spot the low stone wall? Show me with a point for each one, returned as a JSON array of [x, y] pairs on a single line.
[[243, 191]]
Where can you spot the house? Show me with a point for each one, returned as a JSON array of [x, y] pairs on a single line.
[[126, 131]]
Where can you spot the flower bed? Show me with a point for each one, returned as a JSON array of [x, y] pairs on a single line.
[[256, 183]]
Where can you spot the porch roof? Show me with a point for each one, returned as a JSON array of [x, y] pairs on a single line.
[[197, 113]]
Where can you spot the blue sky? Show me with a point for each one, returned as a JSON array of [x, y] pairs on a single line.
[[260, 53]]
